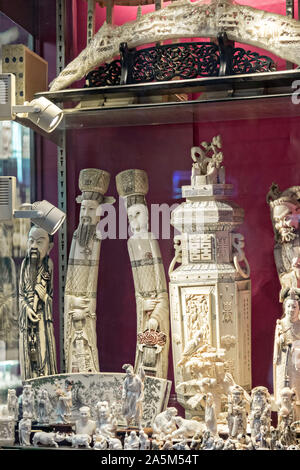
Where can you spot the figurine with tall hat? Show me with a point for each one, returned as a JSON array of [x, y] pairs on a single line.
[[80, 341], [152, 303]]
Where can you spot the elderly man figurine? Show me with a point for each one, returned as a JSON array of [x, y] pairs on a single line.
[[80, 340], [36, 334], [285, 215]]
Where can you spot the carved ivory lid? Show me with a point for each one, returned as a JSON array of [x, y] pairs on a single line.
[[94, 180], [133, 185]]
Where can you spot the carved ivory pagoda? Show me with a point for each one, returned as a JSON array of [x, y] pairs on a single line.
[[210, 291]]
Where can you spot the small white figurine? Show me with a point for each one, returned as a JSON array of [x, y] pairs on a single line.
[[114, 443], [207, 441], [210, 414], [64, 402], [105, 424], [85, 425], [144, 441], [24, 430], [236, 417], [7, 427], [43, 407], [260, 414], [132, 441], [100, 442], [12, 403], [182, 445], [47, 439], [133, 394], [27, 399], [286, 416], [164, 423]]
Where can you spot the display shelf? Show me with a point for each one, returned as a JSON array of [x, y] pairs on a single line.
[[249, 96], [183, 112], [269, 81]]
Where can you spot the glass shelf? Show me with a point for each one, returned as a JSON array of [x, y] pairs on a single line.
[[249, 96]]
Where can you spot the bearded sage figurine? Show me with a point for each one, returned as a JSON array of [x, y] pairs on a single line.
[[285, 216], [36, 335], [152, 302], [81, 354]]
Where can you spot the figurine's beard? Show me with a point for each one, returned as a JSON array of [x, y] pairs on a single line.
[[34, 260], [85, 233]]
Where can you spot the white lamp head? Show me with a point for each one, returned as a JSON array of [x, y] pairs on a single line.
[[50, 219], [46, 115]]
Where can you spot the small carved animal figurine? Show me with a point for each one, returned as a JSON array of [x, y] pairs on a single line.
[[186, 428], [47, 438], [164, 423], [79, 440]]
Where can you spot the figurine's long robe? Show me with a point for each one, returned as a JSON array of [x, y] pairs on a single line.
[[81, 353], [286, 360], [45, 341], [150, 282]]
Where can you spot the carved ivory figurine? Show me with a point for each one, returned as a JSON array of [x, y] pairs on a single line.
[[152, 303], [285, 215], [36, 334], [260, 414], [133, 395], [237, 416], [286, 361], [286, 415], [27, 401], [64, 402], [43, 407], [12, 403], [85, 425], [24, 428], [106, 424], [80, 343], [276, 33]]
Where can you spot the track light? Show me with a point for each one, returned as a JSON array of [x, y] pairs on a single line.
[[42, 213], [40, 111]]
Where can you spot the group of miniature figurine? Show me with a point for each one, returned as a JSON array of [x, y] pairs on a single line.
[[209, 305], [248, 422]]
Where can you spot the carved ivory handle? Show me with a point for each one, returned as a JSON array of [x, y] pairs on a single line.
[[178, 252], [236, 261]]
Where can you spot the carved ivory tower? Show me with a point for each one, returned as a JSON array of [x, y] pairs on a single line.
[[210, 292]]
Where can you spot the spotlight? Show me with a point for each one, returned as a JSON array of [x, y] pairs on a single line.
[[40, 111], [45, 114], [50, 218], [41, 213]]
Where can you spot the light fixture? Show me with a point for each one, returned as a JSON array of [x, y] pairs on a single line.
[[40, 111], [42, 213]]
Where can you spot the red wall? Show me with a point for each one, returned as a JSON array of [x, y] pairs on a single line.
[[256, 153]]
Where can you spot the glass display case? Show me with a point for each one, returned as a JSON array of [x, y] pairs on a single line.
[[16, 159], [153, 127]]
